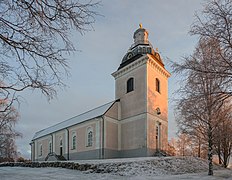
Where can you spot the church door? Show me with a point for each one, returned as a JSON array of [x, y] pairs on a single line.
[[61, 146], [61, 151]]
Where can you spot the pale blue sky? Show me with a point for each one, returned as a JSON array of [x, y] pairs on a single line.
[[101, 51]]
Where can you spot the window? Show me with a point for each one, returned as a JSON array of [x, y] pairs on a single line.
[[41, 150], [157, 137], [129, 55], [74, 141], [89, 137], [157, 82], [144, 50], [61, 142], [157, 132], [50, 147], [61, 147], [130, 85]]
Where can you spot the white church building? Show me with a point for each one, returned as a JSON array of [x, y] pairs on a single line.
[[135, 124]]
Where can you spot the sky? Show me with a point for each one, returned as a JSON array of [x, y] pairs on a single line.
[[99, 54]]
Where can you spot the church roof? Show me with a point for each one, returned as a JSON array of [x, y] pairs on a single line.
[[97, 112]]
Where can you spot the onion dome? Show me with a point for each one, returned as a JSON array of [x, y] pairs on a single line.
[[140, 47]]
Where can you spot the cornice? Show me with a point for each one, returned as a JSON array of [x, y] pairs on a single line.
[[139, 62], [155, 65], [147, 59]]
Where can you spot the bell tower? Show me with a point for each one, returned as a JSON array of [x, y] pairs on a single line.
[[141, 86]]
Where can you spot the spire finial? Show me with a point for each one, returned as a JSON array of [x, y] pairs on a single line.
[[140, 25]]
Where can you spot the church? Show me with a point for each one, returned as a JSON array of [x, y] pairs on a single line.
[[135, 124]]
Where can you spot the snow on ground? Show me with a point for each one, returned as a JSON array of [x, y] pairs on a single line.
[[24, 173], [156, 168], [151, 166]]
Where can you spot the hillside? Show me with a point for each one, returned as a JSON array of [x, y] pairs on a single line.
[[150, 166]]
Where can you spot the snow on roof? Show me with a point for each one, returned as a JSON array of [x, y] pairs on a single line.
[[99, 111]]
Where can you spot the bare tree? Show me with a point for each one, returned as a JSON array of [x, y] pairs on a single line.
[[190, 145], [200, 99], [209, 75], [215, 22], [223, 136], [183, 143], [171, 151], [8, 119], [172, 147], [34, 37]]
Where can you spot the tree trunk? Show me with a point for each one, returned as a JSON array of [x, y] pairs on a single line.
[[210, 151], [227, 161], [219, 153], [199, 148], [226, 155]]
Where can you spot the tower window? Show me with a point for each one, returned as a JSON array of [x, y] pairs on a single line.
[[144, 50], [130, 85], [157, 82]]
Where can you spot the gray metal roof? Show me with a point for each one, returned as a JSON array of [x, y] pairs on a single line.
[[99, 111]]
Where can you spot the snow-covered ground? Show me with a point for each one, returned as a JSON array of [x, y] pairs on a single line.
[[23, 173], [134, 168]]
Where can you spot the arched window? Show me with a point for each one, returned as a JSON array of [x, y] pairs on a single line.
[[74, 141], [157, 82], [61, 147], [50, 146], [89, 137], [130, 85], [61, 142], [41, 150]]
